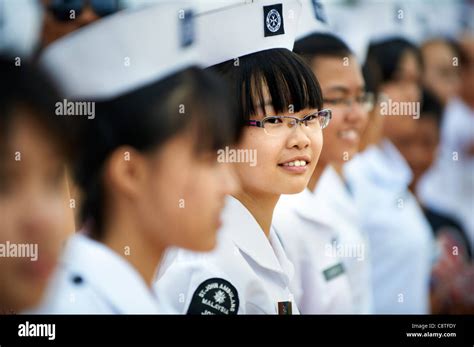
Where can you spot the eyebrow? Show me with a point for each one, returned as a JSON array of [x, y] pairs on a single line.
[[344, 89]]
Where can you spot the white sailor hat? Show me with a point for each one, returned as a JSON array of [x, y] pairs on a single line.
[[355, 23], [313, 19], [242, 27], [393, 19], [123, 52]]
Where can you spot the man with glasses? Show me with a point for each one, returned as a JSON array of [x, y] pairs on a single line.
[[319, 226]]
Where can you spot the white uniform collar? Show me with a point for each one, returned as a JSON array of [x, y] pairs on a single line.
[[332, 190], [315, 206], [108, 274], [310, 206], [398, 163], [280, 253], [382, 162], [247, 235], [458, 106]]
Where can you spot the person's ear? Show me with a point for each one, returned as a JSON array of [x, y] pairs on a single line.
[[125, 171]]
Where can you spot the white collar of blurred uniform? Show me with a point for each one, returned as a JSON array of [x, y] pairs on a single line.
[[332, 191], [123, 52], [106, 272], [234, 28], [383, 164]]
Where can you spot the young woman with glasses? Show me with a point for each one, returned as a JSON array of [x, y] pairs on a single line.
[[280, 102]]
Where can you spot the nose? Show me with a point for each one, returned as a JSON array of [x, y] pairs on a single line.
[[356, 113], [413, 92], [40, 219], [298, 136]]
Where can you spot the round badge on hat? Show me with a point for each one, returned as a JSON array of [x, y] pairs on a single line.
[[269, 24]]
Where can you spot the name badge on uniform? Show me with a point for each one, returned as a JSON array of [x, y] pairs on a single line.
[[333, 271], [284, 307]]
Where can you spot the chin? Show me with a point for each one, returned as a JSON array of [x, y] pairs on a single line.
[[203, 244], [26, 299], [353, 151], [295, 188]]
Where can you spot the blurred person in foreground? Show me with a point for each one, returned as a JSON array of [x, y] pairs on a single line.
[[132, 211], [34, 147]]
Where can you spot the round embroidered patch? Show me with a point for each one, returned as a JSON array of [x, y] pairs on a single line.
[[273, 20], [214, 296]]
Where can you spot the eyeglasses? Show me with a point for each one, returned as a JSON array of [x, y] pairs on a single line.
[[61, 9], [366, 101], [279, 125]]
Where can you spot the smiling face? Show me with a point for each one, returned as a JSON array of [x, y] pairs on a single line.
[[284, 163], [340, 82]]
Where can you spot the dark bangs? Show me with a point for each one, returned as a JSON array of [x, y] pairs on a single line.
[[290, 82]]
